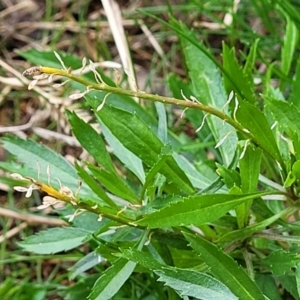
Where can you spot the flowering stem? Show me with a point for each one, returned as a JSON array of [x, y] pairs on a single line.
[[155, 98]]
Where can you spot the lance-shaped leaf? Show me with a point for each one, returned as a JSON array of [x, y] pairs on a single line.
[[195, 210], [91, 140], [255, 122], [137, 137], [232, 275], [112, 280], [55, 240]]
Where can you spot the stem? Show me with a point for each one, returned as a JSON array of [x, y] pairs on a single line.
[[155, 98]]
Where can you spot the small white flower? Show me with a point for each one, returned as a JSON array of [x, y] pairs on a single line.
[[28, 190], [48, 201], [77, 212]]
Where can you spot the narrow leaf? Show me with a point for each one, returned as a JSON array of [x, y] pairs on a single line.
[[91, 141], [36, 158], [232, 275], [286, 114], [249, 171], [112, 279], [291, 38], [243, 233], [194, 284], [240, 78], [130, 160], [255, 121], [280, 261], [85, 263], [295, 94], [137, 137], [55, 240], [195, 210], [114, 183], [95, 187]]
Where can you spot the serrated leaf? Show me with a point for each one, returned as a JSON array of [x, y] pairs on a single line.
[[195, 210], [141, 258], [208, 88], [112, 279], [232, 275], [280, 261], [55, 240], [255, 121], [137, 137], [240, 78], [194, 284], [286, 114]]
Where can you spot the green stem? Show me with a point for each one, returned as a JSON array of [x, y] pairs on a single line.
[[155, 98]]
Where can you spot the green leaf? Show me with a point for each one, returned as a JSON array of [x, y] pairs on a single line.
[[255, 122], [295, 93], [48, 58], [137, 137], [95, 187], [156, 168], [198, 179], [286, 114], [91, 141], [162, 132], [130, 160], [194, 284], [296, 169], [36, 158], [85, 263], [195, 210], [249, 171], [240, 78], [290, 179], [243, 233], [268, 286], [114, 183], [141, 258], [208, 89], [297, 277], [112, 279], [232, 275], [280, 261], [288, 282], [250, 62], [230, 177], [55, 240], [291, 38]]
